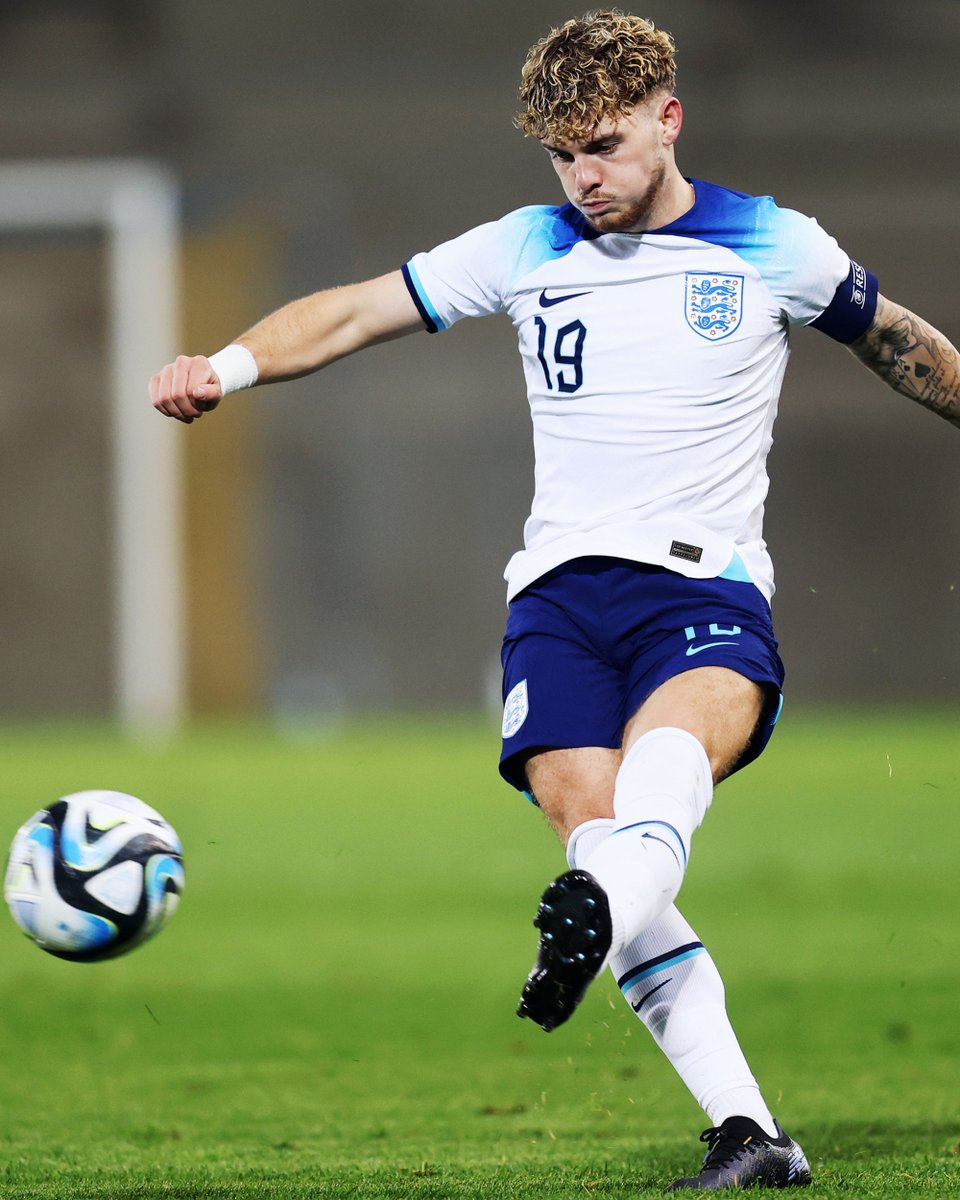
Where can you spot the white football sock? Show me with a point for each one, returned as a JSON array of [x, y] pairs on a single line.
[[674, 987], [672, 984], [663, 789]]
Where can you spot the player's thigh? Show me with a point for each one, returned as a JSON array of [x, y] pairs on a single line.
[[573, 785], [718, 705], [714, 670]]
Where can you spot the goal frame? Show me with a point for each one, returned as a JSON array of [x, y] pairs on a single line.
[[135, 204]]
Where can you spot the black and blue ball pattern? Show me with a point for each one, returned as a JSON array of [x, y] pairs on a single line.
[[94, 875]]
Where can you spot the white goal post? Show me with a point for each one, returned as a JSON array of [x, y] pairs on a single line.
[[136, 205]]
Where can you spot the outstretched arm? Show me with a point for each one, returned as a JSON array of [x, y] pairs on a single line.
[[295, 340], [913, 358]]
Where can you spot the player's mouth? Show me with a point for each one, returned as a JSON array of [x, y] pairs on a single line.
[[595, 204]]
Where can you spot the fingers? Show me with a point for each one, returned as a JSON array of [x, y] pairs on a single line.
[[185, 389]]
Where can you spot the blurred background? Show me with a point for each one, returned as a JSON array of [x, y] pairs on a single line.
[[343, 537]]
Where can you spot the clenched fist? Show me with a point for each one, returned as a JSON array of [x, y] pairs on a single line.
[[186, 388]]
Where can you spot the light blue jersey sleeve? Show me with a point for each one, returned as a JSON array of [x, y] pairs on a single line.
[[474, 275], [459, 278], [801, 263]]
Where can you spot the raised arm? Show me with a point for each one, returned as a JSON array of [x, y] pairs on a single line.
[[297, 339], [913, 358]]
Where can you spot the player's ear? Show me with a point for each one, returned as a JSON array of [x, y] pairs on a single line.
[[671, 119]]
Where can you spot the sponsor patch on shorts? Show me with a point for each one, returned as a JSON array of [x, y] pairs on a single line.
[[515, 709]]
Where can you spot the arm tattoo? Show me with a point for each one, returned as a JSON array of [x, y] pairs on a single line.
[[913, 358]]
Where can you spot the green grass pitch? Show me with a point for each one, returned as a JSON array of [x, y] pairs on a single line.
[[331, 1013]]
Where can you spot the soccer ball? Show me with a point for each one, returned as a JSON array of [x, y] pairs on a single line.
[[94, 875]]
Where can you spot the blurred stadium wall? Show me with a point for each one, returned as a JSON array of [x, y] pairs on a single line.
[[347, 533]]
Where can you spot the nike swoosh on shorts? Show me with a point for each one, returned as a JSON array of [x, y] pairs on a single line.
[[691, 650]]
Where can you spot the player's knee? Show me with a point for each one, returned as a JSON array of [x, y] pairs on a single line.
[[717, 706]]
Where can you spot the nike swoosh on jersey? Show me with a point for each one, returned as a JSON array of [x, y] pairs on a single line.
[[691, 650], [549, 301]]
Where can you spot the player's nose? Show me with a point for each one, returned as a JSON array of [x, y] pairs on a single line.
[[588, 175]]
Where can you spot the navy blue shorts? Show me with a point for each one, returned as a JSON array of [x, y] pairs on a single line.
[[588, 642]]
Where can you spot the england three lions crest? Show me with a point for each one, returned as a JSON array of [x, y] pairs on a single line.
[[713, 304]]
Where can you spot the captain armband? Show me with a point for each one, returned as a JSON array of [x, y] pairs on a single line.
[[850, 313]]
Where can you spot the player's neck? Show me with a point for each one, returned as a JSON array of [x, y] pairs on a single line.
[[676, 197]]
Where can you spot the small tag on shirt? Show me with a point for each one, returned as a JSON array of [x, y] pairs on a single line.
[[685, 551]]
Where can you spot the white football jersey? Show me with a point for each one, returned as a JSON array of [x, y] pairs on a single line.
[[653, 364]]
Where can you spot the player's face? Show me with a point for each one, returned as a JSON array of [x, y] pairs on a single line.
[[622, 175]]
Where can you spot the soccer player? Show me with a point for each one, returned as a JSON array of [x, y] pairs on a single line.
[[640, 666]]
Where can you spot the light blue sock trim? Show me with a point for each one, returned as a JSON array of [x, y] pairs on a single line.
[[633, 980]]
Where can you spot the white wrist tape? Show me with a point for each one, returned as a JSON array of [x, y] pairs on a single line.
[[236, 368]]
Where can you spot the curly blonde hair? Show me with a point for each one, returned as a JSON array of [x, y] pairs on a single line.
[[603, 64]]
